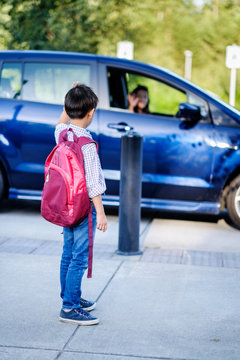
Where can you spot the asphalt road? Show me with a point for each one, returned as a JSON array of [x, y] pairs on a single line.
[[21, 219]]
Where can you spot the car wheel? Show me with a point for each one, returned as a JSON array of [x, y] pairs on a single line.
[[233, 202], [2, 185]]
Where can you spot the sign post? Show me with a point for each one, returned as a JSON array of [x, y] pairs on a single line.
[[188, 64], [233, 63], [125, 50]]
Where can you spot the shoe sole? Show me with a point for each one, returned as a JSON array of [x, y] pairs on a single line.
[[90, 308], [80, 322]]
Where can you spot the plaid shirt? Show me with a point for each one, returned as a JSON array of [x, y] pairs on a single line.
[[93, 171]]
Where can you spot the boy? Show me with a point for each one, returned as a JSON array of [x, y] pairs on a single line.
[[80, 104]]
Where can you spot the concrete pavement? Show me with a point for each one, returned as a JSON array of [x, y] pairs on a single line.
[[153, 306]]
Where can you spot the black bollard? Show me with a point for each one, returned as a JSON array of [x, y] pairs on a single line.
[[130, 194]]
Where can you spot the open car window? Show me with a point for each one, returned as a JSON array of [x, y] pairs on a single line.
[[163, 99]]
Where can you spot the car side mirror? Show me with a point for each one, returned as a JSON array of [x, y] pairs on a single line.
[[189, 112]]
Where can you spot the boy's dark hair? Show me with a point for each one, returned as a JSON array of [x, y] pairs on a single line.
[[79, 101]]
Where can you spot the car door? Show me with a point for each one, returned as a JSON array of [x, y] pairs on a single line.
[[33, 115], [177, 154]]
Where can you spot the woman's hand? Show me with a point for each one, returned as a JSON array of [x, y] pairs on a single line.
[[133, 100]]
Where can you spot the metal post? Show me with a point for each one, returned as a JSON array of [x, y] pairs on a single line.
[[130, 194], [232, 90]]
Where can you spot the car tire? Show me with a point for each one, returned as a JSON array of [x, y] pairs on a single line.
[[233, 202], [2, 185]]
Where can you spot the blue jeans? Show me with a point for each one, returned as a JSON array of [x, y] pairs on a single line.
[[74, 261]]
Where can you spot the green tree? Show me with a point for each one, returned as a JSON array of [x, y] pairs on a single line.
[[161, 31], [5, 36], [78, 25]]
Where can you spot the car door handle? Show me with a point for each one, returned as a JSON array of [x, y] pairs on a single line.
[[122, 127]]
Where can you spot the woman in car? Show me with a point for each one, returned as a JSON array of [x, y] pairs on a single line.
[[139, 100]]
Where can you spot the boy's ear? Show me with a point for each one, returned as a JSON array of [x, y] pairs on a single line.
[[90, 113]]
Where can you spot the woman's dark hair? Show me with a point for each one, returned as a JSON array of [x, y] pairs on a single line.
[[134, 92], [79, 101]]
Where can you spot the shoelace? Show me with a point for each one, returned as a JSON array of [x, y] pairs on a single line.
[[84, 301], [80, 312]]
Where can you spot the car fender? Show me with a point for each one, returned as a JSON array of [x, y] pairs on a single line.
[[228, 168]]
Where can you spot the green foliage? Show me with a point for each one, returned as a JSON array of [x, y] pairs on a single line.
[[160, 29]]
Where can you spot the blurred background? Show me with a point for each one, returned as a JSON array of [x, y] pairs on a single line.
[[161, 31]]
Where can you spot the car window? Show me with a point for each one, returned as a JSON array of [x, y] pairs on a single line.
[[117, 88], [196, 100], [163, 99], [10, 80], [49, 82], [220, 118]]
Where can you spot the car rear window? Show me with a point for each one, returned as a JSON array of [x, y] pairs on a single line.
[[49, 82], [10, 80]]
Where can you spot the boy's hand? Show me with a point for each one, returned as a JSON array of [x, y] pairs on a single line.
[[101, 222], [75, 84], [63, 117], [101, 217]]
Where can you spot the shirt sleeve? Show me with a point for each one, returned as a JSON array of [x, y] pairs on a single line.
[[59, 128], [93, 172]]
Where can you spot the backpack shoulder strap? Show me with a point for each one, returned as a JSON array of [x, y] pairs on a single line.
[[83, 140], [63, 136]]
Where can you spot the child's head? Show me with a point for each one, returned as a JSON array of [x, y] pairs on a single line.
[[79, 101], [141, 92]]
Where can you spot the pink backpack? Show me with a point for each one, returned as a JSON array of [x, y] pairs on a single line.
[[65, 199]]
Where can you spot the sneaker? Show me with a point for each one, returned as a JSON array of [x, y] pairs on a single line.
[[87, 305], [78, 317]]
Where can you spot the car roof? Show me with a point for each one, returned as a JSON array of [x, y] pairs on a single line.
[[43, 54]]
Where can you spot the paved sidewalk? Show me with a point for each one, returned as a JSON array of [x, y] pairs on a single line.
[[173, 304]]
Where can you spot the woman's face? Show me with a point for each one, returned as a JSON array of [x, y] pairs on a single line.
[[142, 96]]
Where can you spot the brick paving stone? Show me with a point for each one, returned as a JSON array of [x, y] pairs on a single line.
[[231, 260], [202, 258], [20, 245], [106, 251], [162, 256], [103, 251], [3, 240], [49, 248]]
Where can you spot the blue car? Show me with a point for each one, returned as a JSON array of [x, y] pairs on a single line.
[[191, 139]]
